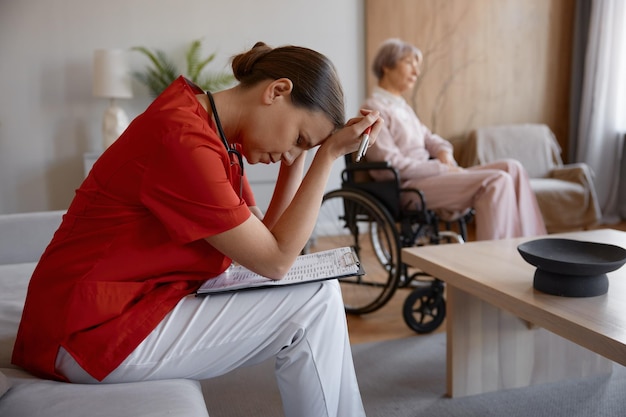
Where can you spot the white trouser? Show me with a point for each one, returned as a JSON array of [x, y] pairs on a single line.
[[303, 327]]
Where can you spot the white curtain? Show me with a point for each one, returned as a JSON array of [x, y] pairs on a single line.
[[602, 116]]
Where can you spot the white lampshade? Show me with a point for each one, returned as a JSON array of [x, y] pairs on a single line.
[[111, 77]]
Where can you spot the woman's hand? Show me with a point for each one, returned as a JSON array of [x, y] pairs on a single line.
[[347, 139], [446, 158]]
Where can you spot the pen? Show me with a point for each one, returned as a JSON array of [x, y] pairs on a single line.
[[365, 140]]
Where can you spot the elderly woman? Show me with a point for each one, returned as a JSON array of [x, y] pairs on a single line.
[[499, 192]]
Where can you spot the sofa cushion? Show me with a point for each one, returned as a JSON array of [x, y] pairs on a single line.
[[5, 384], [13, 285], [30, 396], [26, 235], [534, 145], [553, 194]]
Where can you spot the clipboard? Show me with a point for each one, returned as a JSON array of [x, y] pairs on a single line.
[[319, 266]]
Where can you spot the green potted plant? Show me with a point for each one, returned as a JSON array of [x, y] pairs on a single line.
[[163, 70]]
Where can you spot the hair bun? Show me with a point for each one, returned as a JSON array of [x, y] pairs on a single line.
[[243, 64], [261, 44]]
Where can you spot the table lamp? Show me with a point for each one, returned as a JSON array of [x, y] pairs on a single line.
[[111, 80]]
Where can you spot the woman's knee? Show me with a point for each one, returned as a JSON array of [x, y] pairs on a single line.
[[499, 184], [512, 166], [320, 319], [331, 293]]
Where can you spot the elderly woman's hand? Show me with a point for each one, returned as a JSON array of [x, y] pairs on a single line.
[[446, 158]]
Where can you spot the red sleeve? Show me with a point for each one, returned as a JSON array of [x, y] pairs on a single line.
[[187, 187], [247, 194]]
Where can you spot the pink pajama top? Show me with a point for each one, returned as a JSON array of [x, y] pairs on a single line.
[[404, 141]]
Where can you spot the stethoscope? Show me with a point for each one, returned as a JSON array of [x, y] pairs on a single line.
[[229, 148]]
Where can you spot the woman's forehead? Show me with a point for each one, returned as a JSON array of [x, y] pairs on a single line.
[[317, 127]]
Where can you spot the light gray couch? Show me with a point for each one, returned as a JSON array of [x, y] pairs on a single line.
[[565, 193], [23, 238]]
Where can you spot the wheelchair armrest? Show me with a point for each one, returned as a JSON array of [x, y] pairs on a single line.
[[370, 165], [348, 172], [421, 205]]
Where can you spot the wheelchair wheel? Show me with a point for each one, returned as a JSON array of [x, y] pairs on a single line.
[[425, 308], [348, 218]]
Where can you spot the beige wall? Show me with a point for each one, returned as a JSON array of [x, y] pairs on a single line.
[[486, 61]]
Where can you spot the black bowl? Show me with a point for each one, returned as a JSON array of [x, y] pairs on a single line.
[[572, 268]]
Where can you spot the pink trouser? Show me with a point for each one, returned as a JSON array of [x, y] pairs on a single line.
[[499, 192], [303, 327]]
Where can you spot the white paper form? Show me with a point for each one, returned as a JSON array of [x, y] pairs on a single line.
[[329, 264]]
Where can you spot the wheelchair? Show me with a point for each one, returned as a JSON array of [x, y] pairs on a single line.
[[368, 215]]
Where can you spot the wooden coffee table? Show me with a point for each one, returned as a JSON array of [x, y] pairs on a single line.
[[502, 333]]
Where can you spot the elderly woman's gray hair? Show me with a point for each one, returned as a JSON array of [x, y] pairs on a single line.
[[390, 52]]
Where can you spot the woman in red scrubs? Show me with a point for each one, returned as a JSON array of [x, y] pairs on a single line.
[[168, 206]]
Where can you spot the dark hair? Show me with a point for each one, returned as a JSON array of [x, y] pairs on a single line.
[[390, 52], [316, 85]]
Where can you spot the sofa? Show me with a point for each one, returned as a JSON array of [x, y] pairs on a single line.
[[23, 238], [565, 193]]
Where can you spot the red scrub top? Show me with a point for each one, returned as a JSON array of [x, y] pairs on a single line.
[[131, 244]]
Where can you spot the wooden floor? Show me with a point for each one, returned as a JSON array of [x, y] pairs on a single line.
[[387, 322]]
